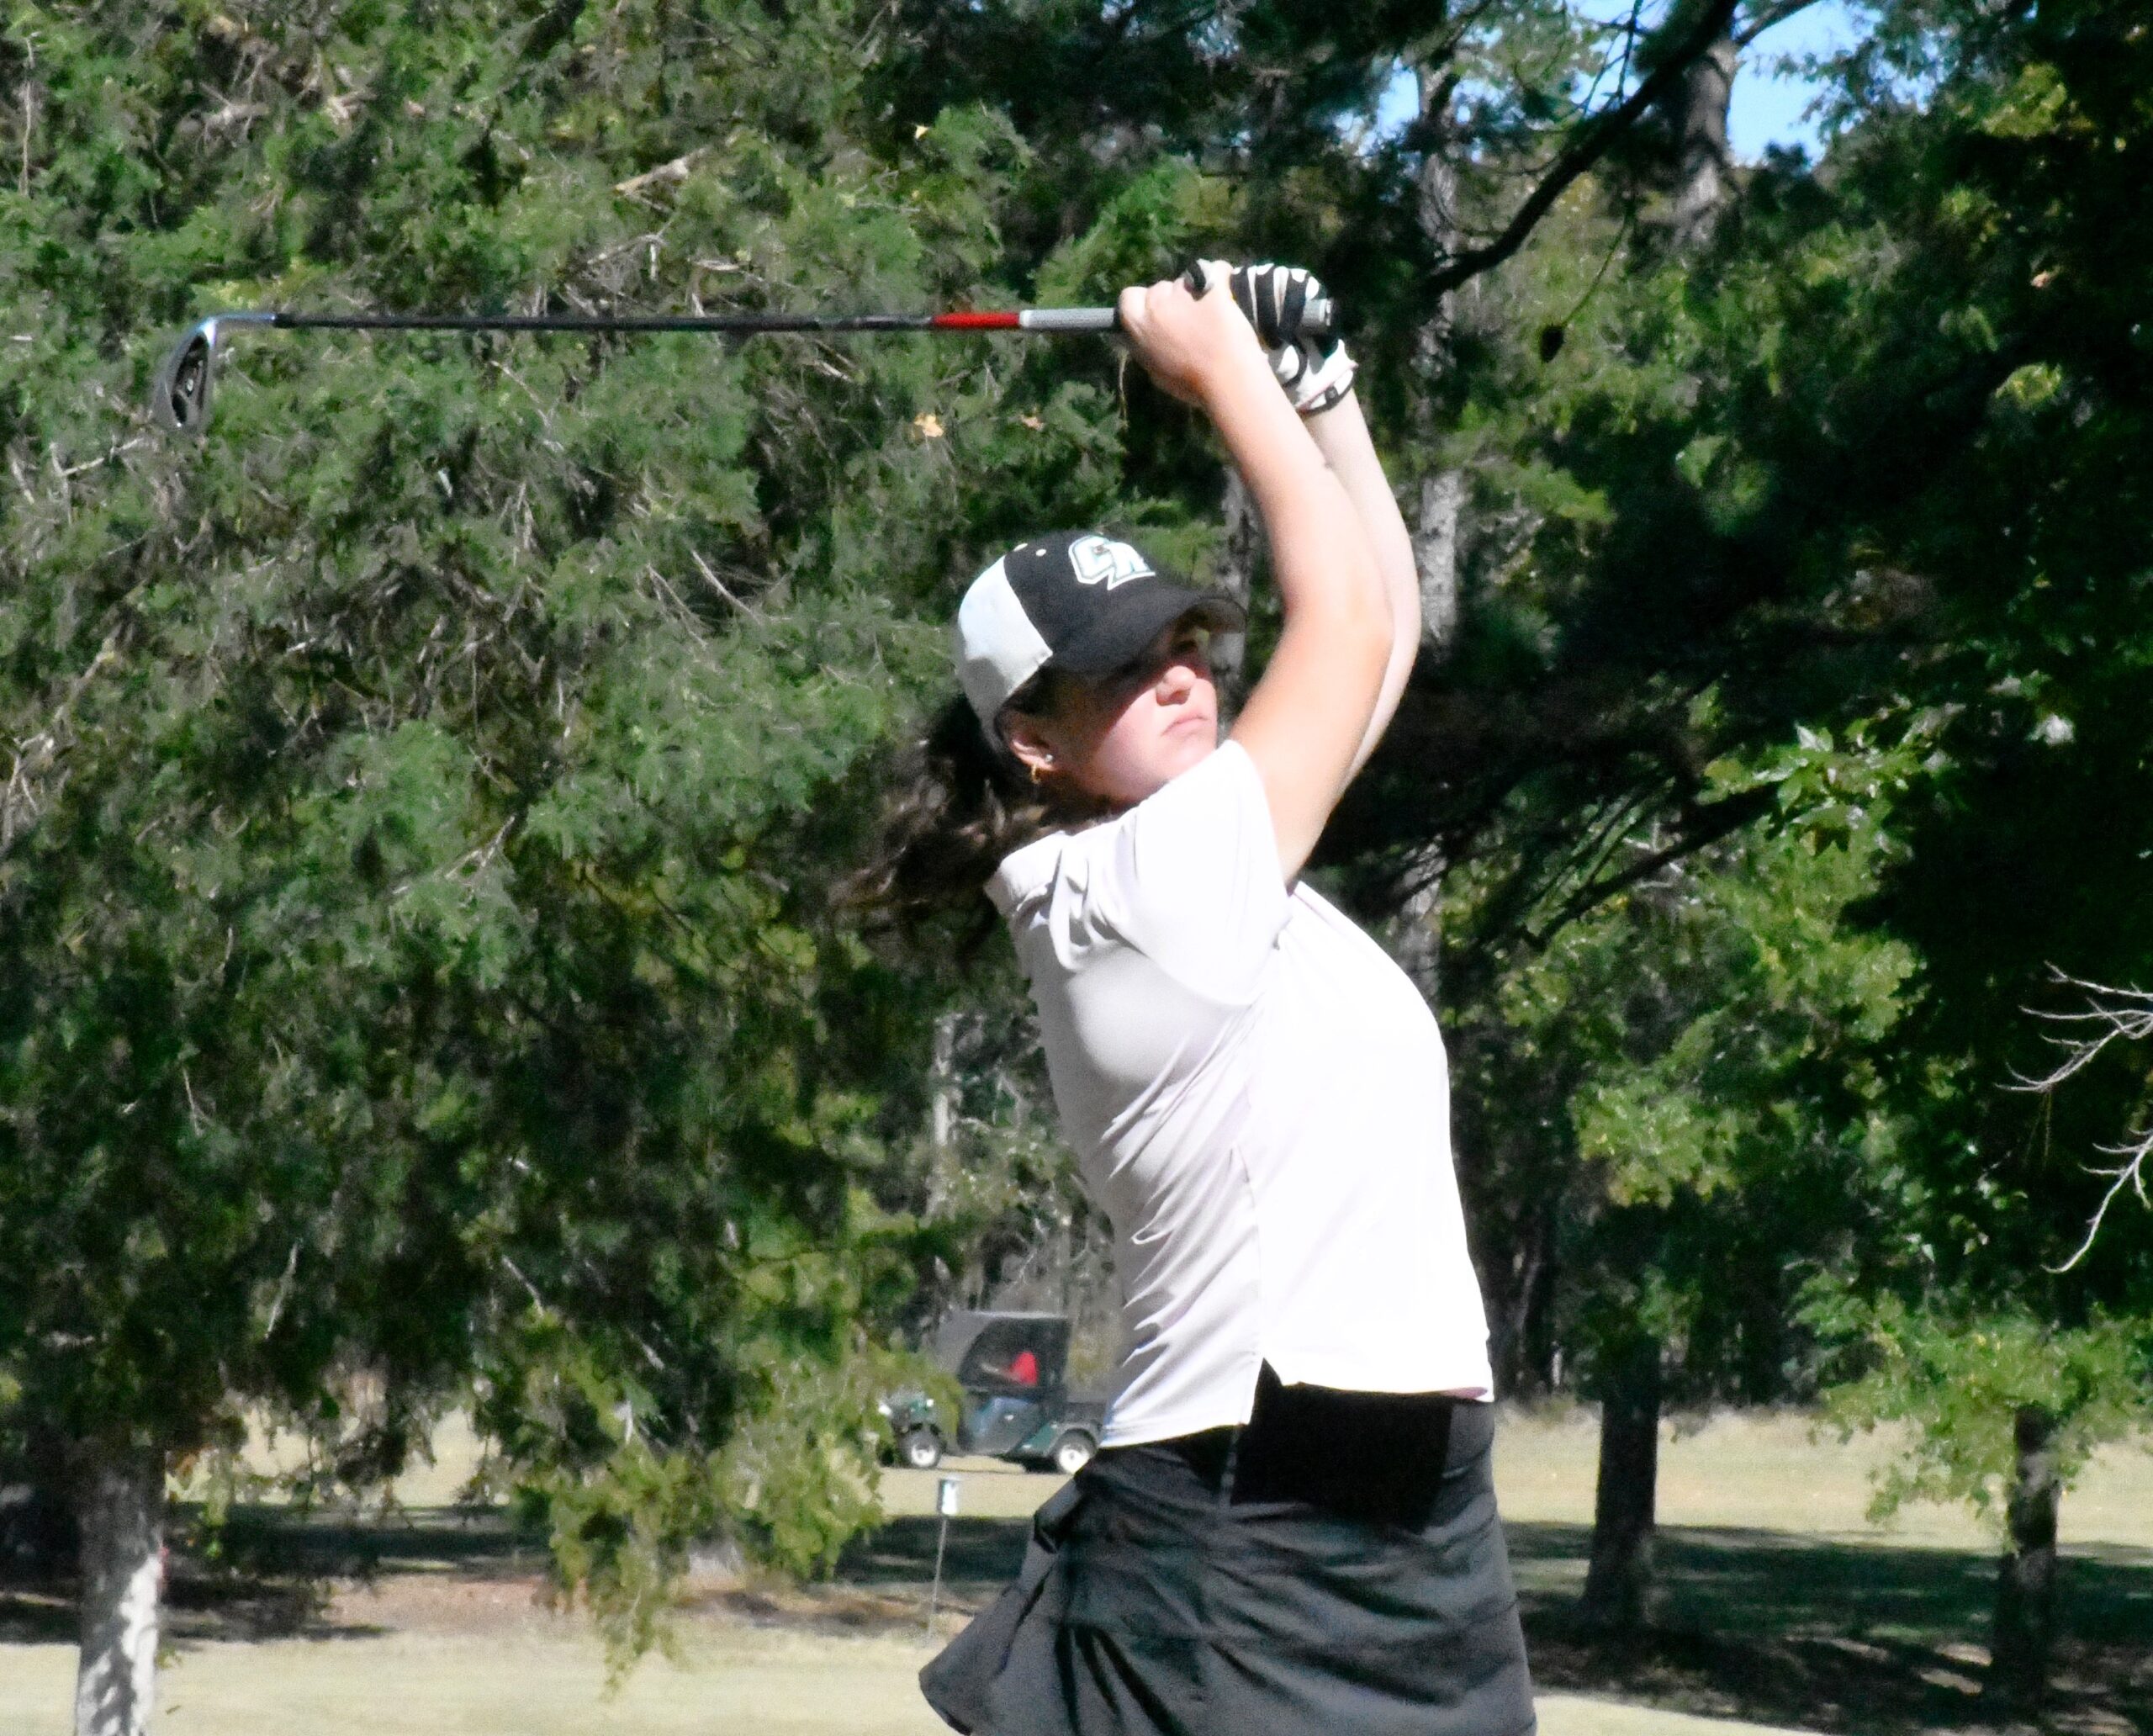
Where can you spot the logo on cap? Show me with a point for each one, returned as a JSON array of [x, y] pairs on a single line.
[[1098, 560]]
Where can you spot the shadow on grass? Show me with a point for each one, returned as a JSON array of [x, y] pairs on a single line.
[[195, 1607], [267, 1572], [1840, 1635], [36, 1616], [982, 1556], [480, 1542], [1819, 1634]]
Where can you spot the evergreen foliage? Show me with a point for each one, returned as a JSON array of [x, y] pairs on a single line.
[[414, 878], [423, 799]]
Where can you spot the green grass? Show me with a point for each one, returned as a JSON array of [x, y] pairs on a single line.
[[772, 1684], [1784, 1610], [1774, 1471]]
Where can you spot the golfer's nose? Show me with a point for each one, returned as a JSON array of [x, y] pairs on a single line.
[[1181, 674]]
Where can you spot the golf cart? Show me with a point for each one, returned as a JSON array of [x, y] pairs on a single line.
[[1013, 1369]]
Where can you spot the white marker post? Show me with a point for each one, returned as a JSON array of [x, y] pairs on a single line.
[[945, 1503]]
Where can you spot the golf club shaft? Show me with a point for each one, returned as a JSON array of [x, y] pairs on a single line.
[[180, 400], [1007, 319]]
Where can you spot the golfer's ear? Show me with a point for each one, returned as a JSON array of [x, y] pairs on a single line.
[[1027, 740]]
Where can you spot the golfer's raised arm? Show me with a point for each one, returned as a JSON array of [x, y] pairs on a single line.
[[1304, 723], [1342, 436]]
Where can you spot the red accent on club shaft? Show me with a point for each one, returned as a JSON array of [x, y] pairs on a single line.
[[1006, 319]]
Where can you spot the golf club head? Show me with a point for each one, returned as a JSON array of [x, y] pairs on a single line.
[[179, 400]]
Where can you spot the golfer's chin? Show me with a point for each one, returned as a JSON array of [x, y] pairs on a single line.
[[1128, 776], [1184, 747]]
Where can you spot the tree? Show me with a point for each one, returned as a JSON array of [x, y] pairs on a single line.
[[1854, 459], [1959, 379], [412, 864], [1682, 1083]]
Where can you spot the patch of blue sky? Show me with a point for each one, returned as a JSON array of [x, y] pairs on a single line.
[[1776, 97]]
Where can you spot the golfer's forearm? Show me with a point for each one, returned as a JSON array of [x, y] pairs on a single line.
[[1319, 554], [1308, 714], [1341, 436]]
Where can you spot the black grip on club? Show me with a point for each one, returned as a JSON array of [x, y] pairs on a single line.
[[1308, 317]]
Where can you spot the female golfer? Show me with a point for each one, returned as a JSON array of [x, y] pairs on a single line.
[[1290, 1529]]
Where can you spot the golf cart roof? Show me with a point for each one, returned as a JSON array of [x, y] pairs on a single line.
[[1007, 1331]]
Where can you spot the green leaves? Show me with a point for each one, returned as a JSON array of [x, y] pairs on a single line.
[[1956, 1380], [1693, 1060]]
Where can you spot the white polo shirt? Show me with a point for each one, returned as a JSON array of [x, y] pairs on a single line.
[[1258, 1098]]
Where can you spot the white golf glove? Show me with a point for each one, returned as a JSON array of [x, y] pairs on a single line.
[[1315, 371]]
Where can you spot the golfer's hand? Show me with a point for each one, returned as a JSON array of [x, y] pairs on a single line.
[[1316, 372], [1194, 347]]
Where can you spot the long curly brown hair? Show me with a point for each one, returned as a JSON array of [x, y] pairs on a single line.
[[963, 802]]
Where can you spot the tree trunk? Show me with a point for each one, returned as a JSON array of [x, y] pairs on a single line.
[[1415, 940], [2025, 1588], [1621, 1591], [120, 1499], [1435, 556], [1236, 577], [1442, 492], [942, 1075], [1518, 1340], [1706, 166]]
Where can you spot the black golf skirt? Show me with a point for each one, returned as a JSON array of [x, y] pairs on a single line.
[[1336, 1566]]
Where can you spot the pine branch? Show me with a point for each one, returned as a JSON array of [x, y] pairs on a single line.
[[1592, 142], [35, 754], [1707, 825]]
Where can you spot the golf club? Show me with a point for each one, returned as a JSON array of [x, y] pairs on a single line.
[[187, 377]]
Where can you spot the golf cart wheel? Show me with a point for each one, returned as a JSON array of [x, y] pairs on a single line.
[[921, 1449], [1073, 1451]]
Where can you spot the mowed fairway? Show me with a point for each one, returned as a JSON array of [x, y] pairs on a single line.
[[772, 1684], [1770, 1566]]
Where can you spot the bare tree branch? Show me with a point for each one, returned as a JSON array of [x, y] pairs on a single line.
[[1591, 144], [2134, 1150], [1767, 18], [2109, 1016]]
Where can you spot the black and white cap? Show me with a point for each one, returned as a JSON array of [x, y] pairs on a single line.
[[1076, 599]]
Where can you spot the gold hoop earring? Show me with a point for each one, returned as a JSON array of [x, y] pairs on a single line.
[[1038, 774]]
